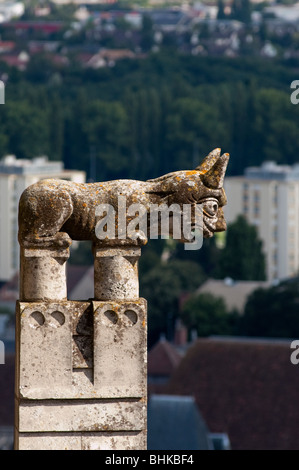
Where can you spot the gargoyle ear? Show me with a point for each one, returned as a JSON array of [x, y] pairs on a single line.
[[209, 161], [214, 177]]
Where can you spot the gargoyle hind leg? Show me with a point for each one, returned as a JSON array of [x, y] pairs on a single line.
[[41, 215]]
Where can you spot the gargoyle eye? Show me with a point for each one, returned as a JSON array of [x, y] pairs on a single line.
[[210, 207]]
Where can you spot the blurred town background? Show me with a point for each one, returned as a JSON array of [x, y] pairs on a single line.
[[106, 89]]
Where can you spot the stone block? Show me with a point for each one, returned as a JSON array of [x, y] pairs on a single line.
[[120, 349], [81, 415], [83, 441], [116, 273], [43, 274], [114, 441], [49, 441], [44, 359]]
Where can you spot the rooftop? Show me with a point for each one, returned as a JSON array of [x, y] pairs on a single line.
[[234, 293], [10, 164], [245, 387], [175, 423], [271, 171]]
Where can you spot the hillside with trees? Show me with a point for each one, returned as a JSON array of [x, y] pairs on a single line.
[[143, 118]]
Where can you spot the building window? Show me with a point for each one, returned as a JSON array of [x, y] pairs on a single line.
[[275, 196], [256, 197], [275, 257]]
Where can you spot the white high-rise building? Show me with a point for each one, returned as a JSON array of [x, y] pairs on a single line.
[[268, 196], [15, 176]]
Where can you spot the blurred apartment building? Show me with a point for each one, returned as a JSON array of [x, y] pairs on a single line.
[[15, 176], [268, 196]]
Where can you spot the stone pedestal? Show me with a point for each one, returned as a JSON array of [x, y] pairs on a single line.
[[81, 375], [43, 271], [116, 273]]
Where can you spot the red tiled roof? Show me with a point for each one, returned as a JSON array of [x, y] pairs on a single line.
[[245, 388], [14, 61], [163, 358], [45, 26], [7, 45]]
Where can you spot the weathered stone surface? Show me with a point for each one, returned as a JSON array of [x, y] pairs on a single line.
[[44, 336], [80, 415], [109, 360], [116, 273], [114, 441], [49, 441], [43, 274], [83, 441], [120, 353]]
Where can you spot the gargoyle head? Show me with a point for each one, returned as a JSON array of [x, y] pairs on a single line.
[[203, 186]]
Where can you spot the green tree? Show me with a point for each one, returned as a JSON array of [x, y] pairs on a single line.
[[81, 254], [241, 10], [192, 121], [27, 129], [275, 126], [221, 13], [163, 286], [147, 33], [106, 128], [242, 258], [272, 312], [56, 129], [208, 315]]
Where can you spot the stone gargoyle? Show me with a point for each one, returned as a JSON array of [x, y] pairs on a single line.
[[53, 212]]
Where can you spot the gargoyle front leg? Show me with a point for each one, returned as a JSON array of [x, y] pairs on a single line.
[[42, 213]]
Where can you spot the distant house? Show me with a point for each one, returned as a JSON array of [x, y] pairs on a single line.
[[244, 387], [234, 293], [35, 47], [170, 19], [284, 12], [7, 46], [268, 50], [18, 60], [163, 358], [46, 27], [10, 10], [105, 58]]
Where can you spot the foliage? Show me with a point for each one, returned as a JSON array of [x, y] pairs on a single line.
[[272, 312], [241, 10], [242, 258], [81, 254], [208, 315], [163, 286], [147, 117]]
